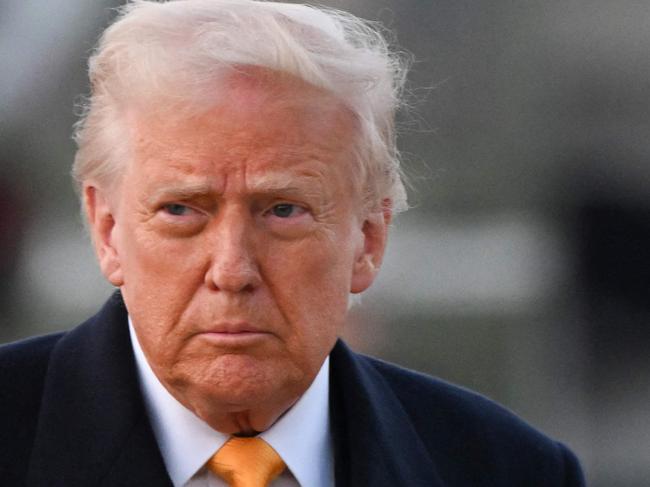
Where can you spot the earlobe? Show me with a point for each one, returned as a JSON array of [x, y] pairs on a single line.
[[101, 222], [370, 255]]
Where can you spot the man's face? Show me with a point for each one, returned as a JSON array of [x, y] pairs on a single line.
[[235, 238]]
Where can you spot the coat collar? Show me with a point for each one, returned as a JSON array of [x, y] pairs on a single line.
[[375, 441], [93, 429]]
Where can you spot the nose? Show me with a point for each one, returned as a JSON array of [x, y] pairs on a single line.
[[234, 267]]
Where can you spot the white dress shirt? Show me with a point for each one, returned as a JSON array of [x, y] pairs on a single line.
[[301, 436]]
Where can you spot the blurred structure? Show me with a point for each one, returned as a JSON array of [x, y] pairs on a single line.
[[522, 271], [13, 219]]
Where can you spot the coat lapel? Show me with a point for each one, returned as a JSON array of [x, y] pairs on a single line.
[[375, 442], [93, 428]]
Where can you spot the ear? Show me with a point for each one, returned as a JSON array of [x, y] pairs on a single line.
[[370, 255], [101, 222]]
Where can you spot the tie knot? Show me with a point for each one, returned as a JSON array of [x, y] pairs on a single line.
[[246, 462]]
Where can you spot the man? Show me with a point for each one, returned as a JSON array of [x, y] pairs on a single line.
[[238, 171]]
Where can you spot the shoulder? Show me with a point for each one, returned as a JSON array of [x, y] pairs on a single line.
[[23, 367], [24, 363], [477, 429]]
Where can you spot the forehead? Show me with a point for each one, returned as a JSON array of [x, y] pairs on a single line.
[[271, 122], [265, 133]]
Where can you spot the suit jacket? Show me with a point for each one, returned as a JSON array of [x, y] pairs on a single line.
[[71, 414]]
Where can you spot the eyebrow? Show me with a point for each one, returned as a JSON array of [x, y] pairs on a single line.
[[280, 182], [184, 192], [269, 184]]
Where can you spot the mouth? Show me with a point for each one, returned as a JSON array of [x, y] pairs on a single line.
[[234, 327], [235, 334]]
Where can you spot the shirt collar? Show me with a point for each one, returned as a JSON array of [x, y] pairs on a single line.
[[301, 436]]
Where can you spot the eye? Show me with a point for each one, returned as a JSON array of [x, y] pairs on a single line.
[[176, 209], [288, 220], [285, 210]]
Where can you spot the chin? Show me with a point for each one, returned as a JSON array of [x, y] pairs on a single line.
[[233, 383]]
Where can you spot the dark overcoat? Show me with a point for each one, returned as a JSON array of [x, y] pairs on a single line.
[[72, 415]]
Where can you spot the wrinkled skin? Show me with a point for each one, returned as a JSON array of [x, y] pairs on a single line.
[[235, 238]]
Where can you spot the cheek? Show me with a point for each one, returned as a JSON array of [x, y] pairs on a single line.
[[161, 259], [315, 263], [311, 283], [160, 279]]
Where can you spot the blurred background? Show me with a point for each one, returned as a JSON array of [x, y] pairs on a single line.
[[522, 269]]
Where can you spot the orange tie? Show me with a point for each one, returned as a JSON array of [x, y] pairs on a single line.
[[246, 462]]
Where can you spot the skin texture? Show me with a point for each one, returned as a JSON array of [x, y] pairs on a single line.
[[236, 237]]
